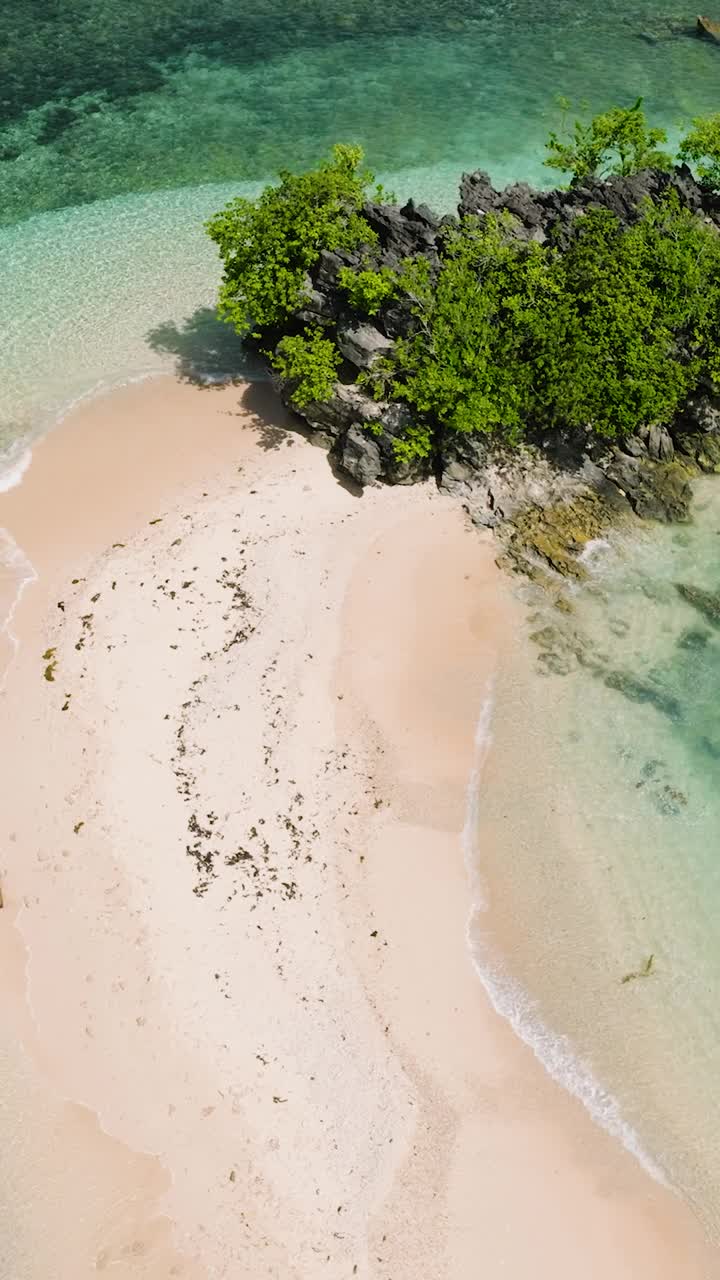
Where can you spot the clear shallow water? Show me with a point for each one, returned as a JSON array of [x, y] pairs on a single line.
[[599, 846], [100, 99], [149, 117]]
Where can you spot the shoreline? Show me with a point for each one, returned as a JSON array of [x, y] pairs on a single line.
[[446, 1167]]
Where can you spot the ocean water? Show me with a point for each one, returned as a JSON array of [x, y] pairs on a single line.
[[594, 834], [597, 846]]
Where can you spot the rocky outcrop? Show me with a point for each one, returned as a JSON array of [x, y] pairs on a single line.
[[548, 499], [655, 490], [362, 343], [540, 214], [360, 433]]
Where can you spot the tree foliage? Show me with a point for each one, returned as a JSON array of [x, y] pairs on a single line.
[[267, 245], [607, 335], [309, 361], [616, 141], [367, 290], [701, 148], [469, 366], [604, 331]]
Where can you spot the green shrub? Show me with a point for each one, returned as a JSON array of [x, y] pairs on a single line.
[[616, 141], [310, 362], [606, 331], [417, 442], [607, 335], [469, 367], [267, 245], [701, 149], [367, 290], [609, 357]]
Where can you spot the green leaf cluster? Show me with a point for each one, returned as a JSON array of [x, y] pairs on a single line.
[[309, 362], [701, 148], [469, 365], [618, 141], [367, 290], [268, 245], [605, 332], [608, 334]]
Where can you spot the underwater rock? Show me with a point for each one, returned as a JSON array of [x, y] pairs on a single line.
[[694, 639], [639, 690], [706, 602]]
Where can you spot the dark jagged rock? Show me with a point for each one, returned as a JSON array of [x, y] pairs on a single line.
[[541, 213], [362, 343], [358, 455], [701, 413], [658, 442], [347, 406], [706, 602], [402, 233], [655, 491]]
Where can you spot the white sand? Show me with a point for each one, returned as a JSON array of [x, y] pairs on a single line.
[[257, 1047]]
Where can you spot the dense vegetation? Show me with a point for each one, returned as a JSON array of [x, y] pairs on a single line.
[[606, 330]]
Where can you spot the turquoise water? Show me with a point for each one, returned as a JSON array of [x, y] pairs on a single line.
[[122, 127], [100, 99], [599, 847]]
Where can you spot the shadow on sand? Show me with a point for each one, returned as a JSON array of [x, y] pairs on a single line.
[[208, 352]]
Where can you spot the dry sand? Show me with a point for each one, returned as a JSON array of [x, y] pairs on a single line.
[[242, 1035]]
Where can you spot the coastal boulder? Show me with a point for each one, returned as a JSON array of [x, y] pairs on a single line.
[[330, 418], [362, 343], [655, 491], [403, 233], [358, 455], [658, 442]]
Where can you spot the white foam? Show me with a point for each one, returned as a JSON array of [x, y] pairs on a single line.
[[14, 559], [513, 1002], [13, 468], [593, 550]]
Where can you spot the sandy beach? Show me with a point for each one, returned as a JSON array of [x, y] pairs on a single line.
[[242, 1033]]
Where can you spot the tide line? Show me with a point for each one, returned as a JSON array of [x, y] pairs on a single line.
[[515, 1004]]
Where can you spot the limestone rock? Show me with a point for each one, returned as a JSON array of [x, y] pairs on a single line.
[[658, 442], [359, 456], [362, 343]]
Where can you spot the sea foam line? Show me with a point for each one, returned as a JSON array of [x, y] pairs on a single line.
[[13, 469], [13, 556], [555, 1052]]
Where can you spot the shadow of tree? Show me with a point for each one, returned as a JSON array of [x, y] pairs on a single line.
[[276, 426], [208, 352], [265, 414]]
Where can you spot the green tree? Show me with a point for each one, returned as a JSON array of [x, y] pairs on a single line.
[[309, 362], [367, 290], [608, 333], [609, 359], [268, 245], [701, 149], [618, 141], [470, 364]]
